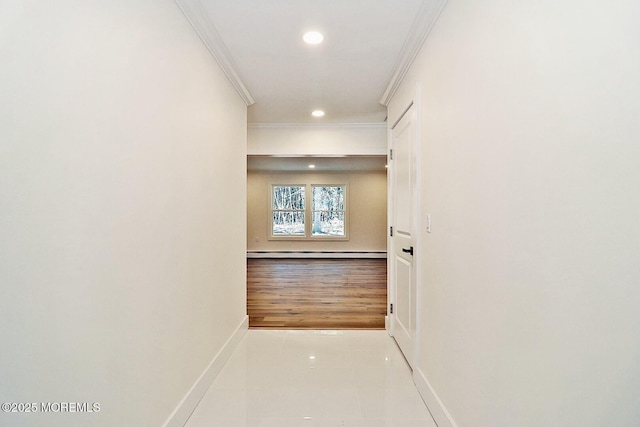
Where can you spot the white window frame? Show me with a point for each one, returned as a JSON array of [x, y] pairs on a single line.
[[304, 211], [308, 212], [312, 211]]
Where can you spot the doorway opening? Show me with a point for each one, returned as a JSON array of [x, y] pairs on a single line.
[[304, 278]]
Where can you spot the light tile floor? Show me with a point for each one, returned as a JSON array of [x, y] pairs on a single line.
[[313, 379]]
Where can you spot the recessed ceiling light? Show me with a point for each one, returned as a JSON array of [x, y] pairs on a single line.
[[311, 167], [317, 113], [313, 37]]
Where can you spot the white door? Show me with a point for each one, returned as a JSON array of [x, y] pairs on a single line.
[[403, 200]]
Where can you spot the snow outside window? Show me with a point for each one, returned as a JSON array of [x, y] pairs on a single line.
[[308, 211]]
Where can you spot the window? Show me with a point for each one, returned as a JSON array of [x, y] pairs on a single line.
[[288, 210], [294, 215], [328, 211]]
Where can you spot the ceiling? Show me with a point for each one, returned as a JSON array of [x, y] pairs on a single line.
[[321, 164], [368, 46]]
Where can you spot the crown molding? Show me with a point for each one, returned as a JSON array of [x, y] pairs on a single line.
[[197, 17], [317, 125], [420, 29]]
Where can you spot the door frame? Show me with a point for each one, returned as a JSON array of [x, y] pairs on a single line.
[[410, 101]]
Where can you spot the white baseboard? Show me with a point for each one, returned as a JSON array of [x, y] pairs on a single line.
[[439, 412], [181, 414], [316, 254]]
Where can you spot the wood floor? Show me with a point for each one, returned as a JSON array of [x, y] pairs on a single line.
[[317, 293]]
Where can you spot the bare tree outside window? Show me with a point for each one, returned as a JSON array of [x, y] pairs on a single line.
[[295, 215], [328, 211], [288, 210]]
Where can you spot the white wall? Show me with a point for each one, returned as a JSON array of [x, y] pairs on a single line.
[[320, 140], [530, 161], [122, 250], [367, 204]]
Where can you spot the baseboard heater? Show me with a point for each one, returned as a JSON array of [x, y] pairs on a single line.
[[316, 254]]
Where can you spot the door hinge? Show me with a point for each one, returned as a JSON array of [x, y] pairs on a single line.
[[391, 308], [391, 154], [391, 231]]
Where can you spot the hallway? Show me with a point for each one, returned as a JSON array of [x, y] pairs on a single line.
[[127, 132], [313, 378]]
